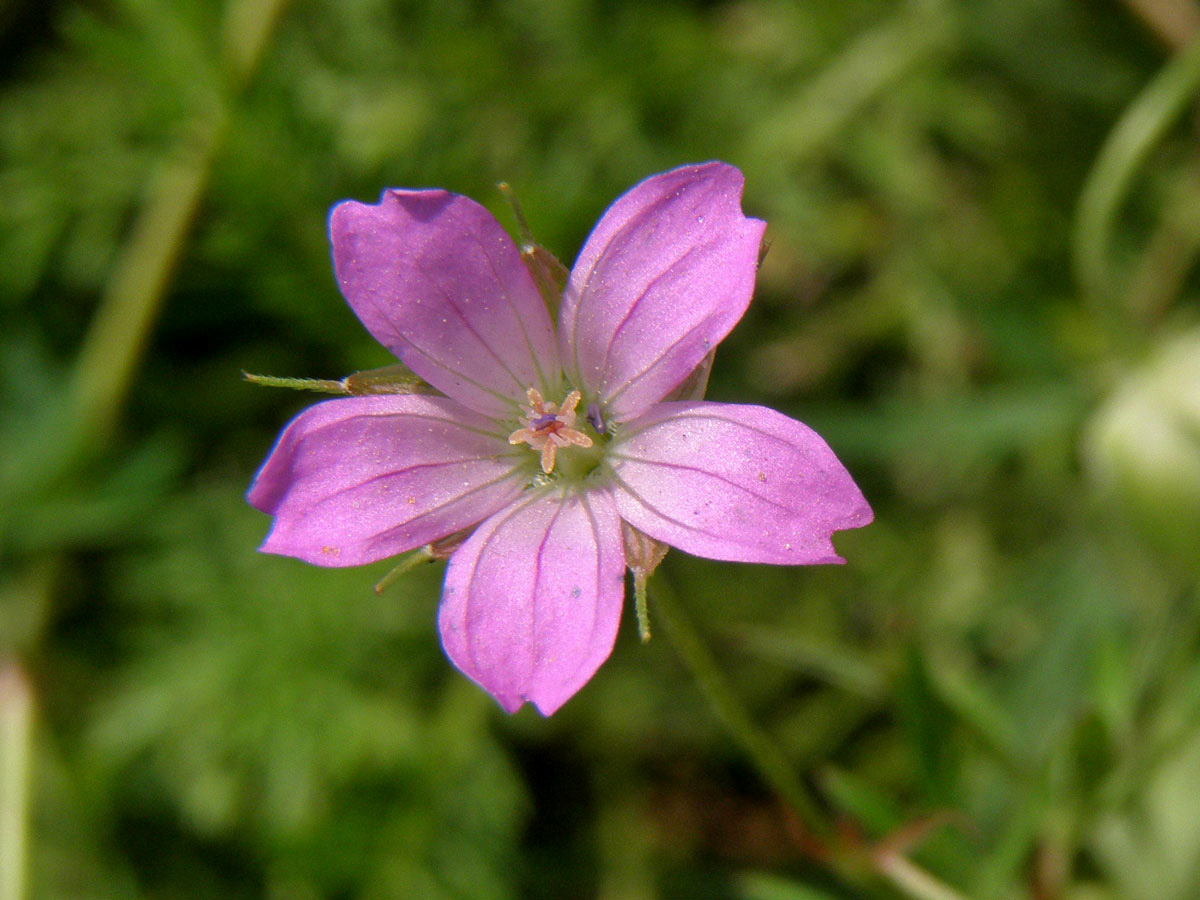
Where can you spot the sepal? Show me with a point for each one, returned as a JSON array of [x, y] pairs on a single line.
[[395, 379], [643, 554], [548, 273], [695, 386]]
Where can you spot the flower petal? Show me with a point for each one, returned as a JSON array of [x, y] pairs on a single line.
[[358, 479], [734, 482], [665, 275], [533, 598], [438, 282]]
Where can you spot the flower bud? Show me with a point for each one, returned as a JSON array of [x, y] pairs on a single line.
[[1142, 449]]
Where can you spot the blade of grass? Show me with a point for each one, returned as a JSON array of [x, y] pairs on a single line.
[[1142, 125]]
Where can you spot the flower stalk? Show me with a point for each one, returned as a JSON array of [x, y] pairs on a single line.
[[731, 712], [827, 845]]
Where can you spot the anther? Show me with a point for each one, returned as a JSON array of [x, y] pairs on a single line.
[[548, 427], [594, 416]]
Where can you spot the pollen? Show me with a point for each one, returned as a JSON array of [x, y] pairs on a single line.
[[548, 427]]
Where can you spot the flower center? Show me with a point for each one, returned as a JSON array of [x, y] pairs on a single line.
[[549, 427]]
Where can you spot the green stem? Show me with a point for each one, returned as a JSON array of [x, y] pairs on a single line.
[[319, 385], [416, 558], [130, 303], [849, 861], [762, 751], [1139, 129], [16, 722], [246, 33], [640, 607], [135, 290]]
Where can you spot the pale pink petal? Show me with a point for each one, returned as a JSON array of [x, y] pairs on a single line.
[[533, 598], [665, 275], [358, 479], [438, 282], [734, 482]]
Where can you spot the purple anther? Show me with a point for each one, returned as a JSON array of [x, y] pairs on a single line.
[[593, 416], [543, 421]]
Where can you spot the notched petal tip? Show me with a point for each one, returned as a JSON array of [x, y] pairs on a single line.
[[733, 482], [662, 279]]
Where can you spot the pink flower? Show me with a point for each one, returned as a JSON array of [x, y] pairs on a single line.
[[548, 444]]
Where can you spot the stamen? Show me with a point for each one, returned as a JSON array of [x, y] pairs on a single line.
[[594, 416], [548, 427]]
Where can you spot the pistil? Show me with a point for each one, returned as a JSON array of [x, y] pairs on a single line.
[[548, 426]]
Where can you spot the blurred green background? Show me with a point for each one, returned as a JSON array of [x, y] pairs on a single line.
[[983, 222]]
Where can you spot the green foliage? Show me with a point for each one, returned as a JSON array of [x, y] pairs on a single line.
[[979, 289]]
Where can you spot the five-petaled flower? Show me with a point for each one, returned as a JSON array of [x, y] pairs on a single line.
[[555, 448]]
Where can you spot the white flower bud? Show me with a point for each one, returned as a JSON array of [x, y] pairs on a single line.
[[1142, 448]]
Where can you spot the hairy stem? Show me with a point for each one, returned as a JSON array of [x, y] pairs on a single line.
[[767, 758]]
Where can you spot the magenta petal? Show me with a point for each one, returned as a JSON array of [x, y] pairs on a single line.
[[533, 598], [664, 276], [438, 282], [358, 479], [734, 482]]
